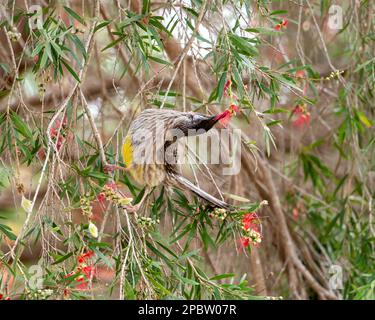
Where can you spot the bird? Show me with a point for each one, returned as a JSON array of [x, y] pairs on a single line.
[[150, 152]]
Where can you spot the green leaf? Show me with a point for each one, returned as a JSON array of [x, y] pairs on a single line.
[[286, 81], [102, 25], [364, 119], [236, 197], [62, 258], [278, 12], [79, 45], [113, 43], [74, 15], [4, 93], [8, 232], [189, 281], [160, 60], [98, 175], [70, 69], [20, 126], [261, 30], [223, 276], [243, 45], [220, 86]]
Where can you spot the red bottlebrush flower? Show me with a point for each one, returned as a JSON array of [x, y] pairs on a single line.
[[145, 20], [300, 74], [297, 110], [57, 124], [224, 117], [69, 274], [66, 293], [1, 296], [59, 142], [234, 108], [101, 197], [65, 122], [41, 153], [84, 256], [227, 114], [89, 254], [80, 259], [82, 284], [108, 169], [226, 87], [302, 120], [245, 242], [111, 185], [283, 24], [53, 132], [88, 271], [295, 213], [248, 220]]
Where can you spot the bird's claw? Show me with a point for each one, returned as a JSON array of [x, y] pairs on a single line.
[[112, 167]]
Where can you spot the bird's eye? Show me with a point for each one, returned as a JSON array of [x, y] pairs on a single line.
[[195, 118]]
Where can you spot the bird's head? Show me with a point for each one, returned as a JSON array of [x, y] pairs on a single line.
[[191, 123]]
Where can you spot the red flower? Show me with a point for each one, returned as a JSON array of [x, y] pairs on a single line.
[[224, 117], [302, 117], [66, 293], [84, 256], [53, 132], [281, 25], [7, 298], [65, 122], [245, 242], [295, 213], [82, 283], [300, 74], [234, 108], [101, 197], [59, 143], [111, 185], [302, 120], [226, 87], [88, 271], [41, 153], [227, 114], [69, 274], [1, 296], [247, 221], [297, 110], [57, 124]]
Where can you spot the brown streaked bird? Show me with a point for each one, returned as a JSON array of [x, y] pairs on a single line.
[[150, 152]]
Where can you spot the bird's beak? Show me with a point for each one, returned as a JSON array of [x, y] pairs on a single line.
[[204, 122]]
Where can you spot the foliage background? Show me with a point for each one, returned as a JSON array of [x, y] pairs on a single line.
[[98, 63]]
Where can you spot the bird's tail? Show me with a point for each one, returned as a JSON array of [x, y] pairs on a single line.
[[181, 181]]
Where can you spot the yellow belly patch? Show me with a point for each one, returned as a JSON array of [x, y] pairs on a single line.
[[127, 151]]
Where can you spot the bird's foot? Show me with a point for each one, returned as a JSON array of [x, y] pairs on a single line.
[[133, 208], [112, 167]]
